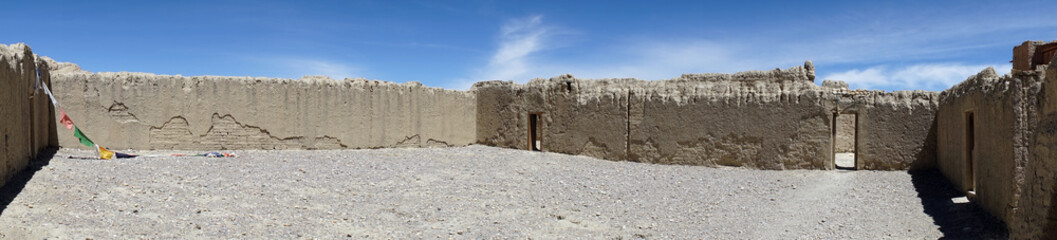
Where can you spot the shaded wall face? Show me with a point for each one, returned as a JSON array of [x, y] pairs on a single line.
[[499, 120], [26, 122], [768, 120], [993, 143], [756, 131], [573, 122], [897, 131], [595, 125], [147, 111]]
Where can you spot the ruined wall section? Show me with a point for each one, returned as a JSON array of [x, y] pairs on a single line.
[[1036, 214], [758, 119], [589, 121], [27, 119], [1003, 120], [896, 130], [147, 111]]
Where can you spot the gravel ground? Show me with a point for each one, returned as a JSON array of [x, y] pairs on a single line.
[[469, 192], [844, 160]]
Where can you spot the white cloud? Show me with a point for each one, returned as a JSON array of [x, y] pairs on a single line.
[[519, 39], [663, 60], [306, 67], [931, 76], [297, 67]]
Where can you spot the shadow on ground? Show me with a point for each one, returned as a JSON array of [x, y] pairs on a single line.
[[956, 220], [18, 182]]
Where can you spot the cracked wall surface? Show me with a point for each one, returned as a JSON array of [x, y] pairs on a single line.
[[1035, 216], [148, 111], [27, 123], [758, 119], [775, 119]]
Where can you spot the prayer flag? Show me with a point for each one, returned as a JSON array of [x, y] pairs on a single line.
[[65, 119], [50, 95], [84, 139], [105, 154]]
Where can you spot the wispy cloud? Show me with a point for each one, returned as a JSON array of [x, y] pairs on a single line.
[[519, 39], [512, 59], [931, 76], [334, 70], [665, 59], [866, 52], [297, 67]]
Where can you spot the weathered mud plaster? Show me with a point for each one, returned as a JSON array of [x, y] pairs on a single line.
[[895, 130], [1004, 115], [1035, 215], [148, 111], [26, 115], [759, 119]]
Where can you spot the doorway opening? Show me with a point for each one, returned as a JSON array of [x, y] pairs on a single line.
[[535, 138], [970, 150], [845, 139]]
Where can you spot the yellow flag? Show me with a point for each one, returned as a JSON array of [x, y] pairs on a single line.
[[105, 154]]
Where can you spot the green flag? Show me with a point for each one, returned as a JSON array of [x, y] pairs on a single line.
[[84, 139]]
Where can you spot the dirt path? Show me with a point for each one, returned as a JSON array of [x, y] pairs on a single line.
[[469, 192]]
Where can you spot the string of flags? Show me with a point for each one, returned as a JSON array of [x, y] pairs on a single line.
[[68, 123], [103, 152]]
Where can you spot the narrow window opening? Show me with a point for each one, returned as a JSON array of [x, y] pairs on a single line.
[[845, 129], [970, 152], [534, 126]]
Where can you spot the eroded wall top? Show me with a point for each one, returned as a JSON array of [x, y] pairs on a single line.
[[774, 119]]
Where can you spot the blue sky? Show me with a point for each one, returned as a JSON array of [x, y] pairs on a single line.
[[887, 45]]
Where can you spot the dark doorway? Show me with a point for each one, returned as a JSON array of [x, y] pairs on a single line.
[[534, 141], [970, 150], [845, 140]]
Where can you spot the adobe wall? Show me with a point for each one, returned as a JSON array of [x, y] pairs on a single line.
[[26, 114], [576, 119], [896, 130], [147, 111], [1004, 117], [1036, 215], [759, 119]]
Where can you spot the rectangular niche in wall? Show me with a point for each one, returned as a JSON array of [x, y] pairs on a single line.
[[534, 129]]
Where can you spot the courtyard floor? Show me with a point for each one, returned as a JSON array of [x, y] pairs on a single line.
[[468, 193]]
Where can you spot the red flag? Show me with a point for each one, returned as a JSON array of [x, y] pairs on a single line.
[[65, 119]]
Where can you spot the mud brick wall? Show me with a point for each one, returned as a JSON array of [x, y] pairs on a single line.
[[1036, 215], [896, 130], [148, 111], [1004, 116], [758, 119], [26, 115], [574, 121]]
